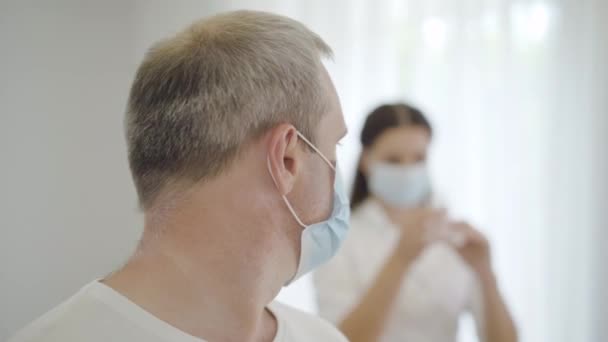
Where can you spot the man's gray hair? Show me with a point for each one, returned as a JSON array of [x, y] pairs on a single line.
[[199, 96]]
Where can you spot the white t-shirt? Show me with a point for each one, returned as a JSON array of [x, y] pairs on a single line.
[[437, 289], [97, 313]]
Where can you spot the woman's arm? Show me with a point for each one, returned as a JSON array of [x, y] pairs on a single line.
[[494, 322], [367, 320], [497, 322]]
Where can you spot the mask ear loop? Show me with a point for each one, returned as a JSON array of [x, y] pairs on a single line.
[[316, 150], [293, 212]]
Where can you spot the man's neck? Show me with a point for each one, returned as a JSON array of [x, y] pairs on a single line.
[[197, 302], [205, 275]]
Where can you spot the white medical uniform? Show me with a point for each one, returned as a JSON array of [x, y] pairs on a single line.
[[437, 289]]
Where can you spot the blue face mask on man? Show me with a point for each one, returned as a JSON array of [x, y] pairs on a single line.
[[320, 241]]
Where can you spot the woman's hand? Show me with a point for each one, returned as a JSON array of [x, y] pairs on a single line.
[[416, 227], [473, 247]]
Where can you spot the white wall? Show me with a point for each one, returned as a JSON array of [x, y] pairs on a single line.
[[68, 211], [599, 277]]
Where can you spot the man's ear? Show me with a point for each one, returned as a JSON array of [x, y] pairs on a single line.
[[284, 157]]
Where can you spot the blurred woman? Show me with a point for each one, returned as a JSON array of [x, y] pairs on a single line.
[[407, 272]]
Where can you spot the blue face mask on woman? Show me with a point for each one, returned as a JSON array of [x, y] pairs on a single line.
[[320, 241], [401, 186]]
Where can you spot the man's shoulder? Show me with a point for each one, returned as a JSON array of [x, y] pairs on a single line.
[[79, 318], [51, 325], [298, 325]]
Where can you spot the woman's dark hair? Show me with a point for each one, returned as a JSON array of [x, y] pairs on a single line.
[[377, 122]]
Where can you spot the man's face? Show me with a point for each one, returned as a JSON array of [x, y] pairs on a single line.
[[302, 175]]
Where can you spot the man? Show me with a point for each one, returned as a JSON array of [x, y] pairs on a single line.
[[232, 127]]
